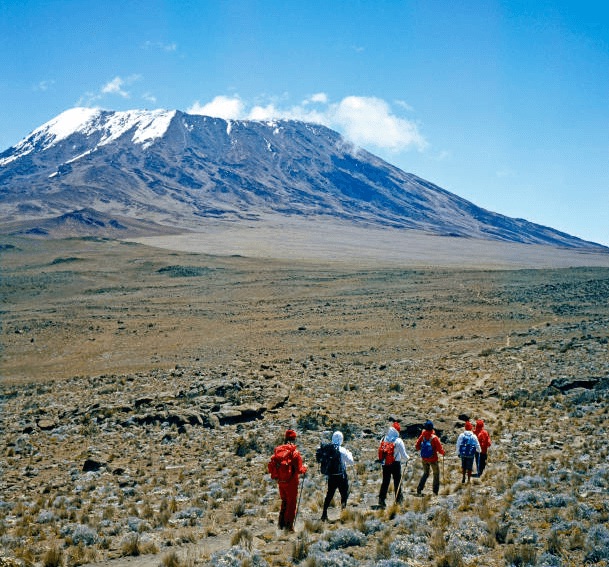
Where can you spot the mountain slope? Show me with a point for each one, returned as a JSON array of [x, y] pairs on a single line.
[[174, 169]]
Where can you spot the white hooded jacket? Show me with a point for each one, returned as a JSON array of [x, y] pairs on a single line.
[[399, 450], [345, 455]]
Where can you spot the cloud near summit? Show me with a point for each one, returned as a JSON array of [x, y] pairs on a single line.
[[365, 121]]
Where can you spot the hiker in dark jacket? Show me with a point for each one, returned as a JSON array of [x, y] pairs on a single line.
[[430, 463], [467, 439], [391, 454], [338, 480], [287, 481]]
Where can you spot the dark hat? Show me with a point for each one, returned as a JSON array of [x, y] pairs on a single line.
[[428, 425], [290, 434]]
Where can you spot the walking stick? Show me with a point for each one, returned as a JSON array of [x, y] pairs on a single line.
[[400, 485], [299, 497], [443, 472]]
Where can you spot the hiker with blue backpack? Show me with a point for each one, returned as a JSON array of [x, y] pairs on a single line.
[[467, 448], [333, 459], [391, 454], [429, 447]]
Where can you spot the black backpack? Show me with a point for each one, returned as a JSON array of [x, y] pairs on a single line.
[[329, 459]]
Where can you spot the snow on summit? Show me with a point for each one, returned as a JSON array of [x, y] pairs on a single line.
[[147, 125]]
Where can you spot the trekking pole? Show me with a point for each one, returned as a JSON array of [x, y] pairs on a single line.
[[443, 472], [400, 485], [299, 497]]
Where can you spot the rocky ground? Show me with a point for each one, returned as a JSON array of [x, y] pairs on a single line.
[[143, 391]]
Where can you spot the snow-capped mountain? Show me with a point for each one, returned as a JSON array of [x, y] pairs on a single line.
[[175, 170]]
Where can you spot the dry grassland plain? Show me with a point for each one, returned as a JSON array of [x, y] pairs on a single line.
[[142, 390]]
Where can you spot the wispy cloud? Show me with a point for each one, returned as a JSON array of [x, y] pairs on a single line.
[[117, 86], [44, 85], [163, 46], [149, 98], [365, 121]]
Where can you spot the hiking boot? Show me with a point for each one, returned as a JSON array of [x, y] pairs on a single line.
[[324, 517], [382, 504]]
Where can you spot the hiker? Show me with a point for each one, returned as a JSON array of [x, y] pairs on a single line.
[[467, 448], [391, 454], [485, 442], [285, 467], [334, 459], [429, 446]]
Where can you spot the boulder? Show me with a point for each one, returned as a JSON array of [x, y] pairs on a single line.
[[566, 384], [92, 465], [238, 414]]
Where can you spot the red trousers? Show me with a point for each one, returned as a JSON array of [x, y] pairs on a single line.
[[288, 491]]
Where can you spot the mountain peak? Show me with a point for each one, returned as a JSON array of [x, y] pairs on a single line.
[[108, 126]]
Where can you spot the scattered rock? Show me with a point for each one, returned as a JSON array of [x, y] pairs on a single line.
[[92, 465], [46, 424]]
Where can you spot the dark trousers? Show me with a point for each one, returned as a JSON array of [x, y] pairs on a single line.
[[394, 471], [340, 482], [427, 468], [480, 463], [467, 466]]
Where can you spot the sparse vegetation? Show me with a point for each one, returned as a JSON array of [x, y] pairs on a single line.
[[175, 432]]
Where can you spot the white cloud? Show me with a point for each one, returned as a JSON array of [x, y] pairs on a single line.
[[369, 121], [116, 86], [267, 112], [44, 85], [319, 97], [149, 98], [160, 45], [365, 121], [220, 107]]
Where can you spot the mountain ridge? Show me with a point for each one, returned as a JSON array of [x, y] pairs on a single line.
[[176, 170]]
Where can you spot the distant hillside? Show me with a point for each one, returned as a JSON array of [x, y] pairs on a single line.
[[168, 170]]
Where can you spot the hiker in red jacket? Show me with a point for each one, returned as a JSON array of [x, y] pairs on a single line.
[[429, 446], [485, 442], [285, 467]]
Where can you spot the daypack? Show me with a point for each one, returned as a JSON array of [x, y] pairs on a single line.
[[281, 465], [468, 446], [426, 448], [386, 453], [329, 459]]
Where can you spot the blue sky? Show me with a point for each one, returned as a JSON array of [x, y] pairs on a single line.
[[505, 103]]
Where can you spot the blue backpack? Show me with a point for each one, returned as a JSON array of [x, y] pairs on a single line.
[[426, 448], [468, 446]]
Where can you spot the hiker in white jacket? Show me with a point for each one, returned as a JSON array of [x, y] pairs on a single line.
[[340, 480], [391, 455], [467, 448]]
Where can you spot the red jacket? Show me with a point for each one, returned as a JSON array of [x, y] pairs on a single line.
[[296, 466], [435, 443], [483, 437]]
